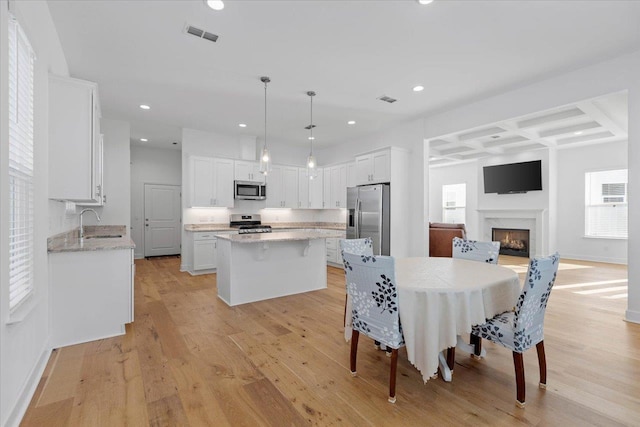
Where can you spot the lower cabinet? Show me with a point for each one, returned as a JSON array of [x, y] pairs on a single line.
[[91, 295], [334, 257], [205, 251]]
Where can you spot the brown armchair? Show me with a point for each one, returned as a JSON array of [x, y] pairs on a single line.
[[441, 236]]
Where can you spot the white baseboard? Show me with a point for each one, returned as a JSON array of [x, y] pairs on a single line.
[[17, 413], [632, 316]]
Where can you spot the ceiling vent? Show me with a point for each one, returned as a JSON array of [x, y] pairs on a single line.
[[388, 99], [189, 29]]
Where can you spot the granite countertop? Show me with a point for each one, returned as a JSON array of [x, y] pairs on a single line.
[[275, 225], [94, 239], [279, 237]]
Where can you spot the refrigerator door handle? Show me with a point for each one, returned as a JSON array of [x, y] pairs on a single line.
[[356, 218]]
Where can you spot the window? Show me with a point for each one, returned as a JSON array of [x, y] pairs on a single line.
[[21, 218], [606, 204], [454, 198]]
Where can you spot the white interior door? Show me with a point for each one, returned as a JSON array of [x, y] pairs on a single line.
[[161, 220]]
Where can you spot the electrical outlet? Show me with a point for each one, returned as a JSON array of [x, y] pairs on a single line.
[[69, 208]]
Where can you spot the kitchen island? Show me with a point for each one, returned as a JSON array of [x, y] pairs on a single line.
[[255, 267]]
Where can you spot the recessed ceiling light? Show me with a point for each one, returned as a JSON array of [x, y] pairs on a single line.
[[215, 4], [578, 132], [242, 125], [351, 122], [312, 138], [425, 1], [145, 107], [418, 88], [143, 139]]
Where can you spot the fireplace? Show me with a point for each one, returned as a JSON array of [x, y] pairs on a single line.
[[513, 241]]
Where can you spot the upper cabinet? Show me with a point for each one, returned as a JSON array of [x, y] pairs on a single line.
[[310, 190], [211, 182], [248, 171], [351, 174], [373, 168], [75, 144], [282, 187], [335, 187]]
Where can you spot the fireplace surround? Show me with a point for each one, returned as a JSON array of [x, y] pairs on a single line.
[[513, 241]]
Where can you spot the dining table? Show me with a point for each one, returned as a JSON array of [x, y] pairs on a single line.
[[440, 299]]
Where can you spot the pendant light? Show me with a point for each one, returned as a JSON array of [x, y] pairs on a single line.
[[312, 170], [265, 156]]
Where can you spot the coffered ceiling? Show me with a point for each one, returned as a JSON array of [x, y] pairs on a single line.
[[349, 52], [595, 121]]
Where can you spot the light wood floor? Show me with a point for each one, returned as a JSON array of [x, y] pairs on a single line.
[[188, 359]]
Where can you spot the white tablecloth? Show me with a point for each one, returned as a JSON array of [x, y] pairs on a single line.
[[441, 298]]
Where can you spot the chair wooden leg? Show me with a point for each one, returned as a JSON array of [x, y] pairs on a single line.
[[392, 375], [518, 362], [354, 350], [451, 358], [476, 342], [542, 362], [344, 319]]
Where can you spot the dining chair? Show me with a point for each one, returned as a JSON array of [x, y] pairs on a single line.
[[523, 327], [374, 307], [357, 247], [476, 250]]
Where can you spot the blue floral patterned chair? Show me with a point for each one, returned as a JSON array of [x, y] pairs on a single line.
[[357, 247], [522, 328], [476, 250], [374, 312]]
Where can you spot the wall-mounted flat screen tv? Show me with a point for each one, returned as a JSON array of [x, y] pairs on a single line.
[[513, 177]]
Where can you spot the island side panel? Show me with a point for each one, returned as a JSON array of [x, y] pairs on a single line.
[[262, 270], [223, 272]]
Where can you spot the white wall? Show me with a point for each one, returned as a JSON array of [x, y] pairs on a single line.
[[150, 166], [572, 165], [24, 346], [457, 174], [611, 76]]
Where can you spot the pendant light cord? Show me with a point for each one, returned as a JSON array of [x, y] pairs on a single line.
[[265, 114], [311, 153]]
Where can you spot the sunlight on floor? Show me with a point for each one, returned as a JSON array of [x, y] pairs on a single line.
[[585, 284]]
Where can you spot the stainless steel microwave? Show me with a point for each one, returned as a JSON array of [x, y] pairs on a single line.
[[250, 190]]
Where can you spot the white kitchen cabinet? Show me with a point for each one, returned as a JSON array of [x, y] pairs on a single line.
[[247, 171], [335, 187], [373, 168], [338, 187], [316, 190], [282, 187], [303, 188], [205, 250], [211, 182], [351, 174], [75, 171], [91, 295], [310, 190]]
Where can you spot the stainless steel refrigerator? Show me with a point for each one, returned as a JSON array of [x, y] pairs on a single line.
[[368, 215]]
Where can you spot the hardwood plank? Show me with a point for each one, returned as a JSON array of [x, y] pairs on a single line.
[[189, 359], [167, 411]]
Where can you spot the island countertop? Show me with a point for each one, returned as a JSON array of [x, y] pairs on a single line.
[[282, 236]]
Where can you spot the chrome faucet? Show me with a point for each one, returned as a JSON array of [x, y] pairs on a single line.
[[81, 226]]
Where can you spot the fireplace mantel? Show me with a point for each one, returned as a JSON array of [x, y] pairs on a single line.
[[538, 220]]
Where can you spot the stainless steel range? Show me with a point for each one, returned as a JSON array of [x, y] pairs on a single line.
[[247, 224]]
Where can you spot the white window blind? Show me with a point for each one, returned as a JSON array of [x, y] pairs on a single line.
[[21, 216], [454, 198], [606, 212]]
